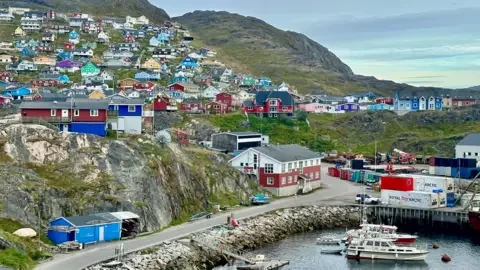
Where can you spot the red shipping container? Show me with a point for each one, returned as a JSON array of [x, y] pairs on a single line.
[[431, 161], [398, 183], [332, 171]]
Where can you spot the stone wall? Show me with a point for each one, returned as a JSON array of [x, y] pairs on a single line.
[[251, 234]]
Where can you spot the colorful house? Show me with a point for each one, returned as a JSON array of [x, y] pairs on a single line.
[[125, 114], [224, 98], [128, 38], [166, 104], [180, 79], [247, 81], [68, 66], [144, 86], [192, 105], [44, 60], [264, 81], [188, 63], [17, 92], [90, 69], [210, 92], [315, 107], [348, 107], [272, 104], [73, 37], [147, 76], [215, 107], [127, 83], [65, 56], [19, 32], [463, 101], [151, 64], [283, 170], [380, 107]]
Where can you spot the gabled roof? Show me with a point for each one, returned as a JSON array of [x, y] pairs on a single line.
[[286, 153], [472, 139], [192, 101], [92, 219], [284, 96], [87, 105], [248, 103]]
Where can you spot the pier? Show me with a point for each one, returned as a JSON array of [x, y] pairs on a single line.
[[398, 215]]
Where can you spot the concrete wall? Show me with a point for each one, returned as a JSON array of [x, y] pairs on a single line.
[[473, 150]]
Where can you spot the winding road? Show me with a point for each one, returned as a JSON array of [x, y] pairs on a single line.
[[335, 191]]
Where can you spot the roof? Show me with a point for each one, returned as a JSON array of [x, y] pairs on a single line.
[[248, 103], [243, 133], [285, 153], [92, 219], [124, 215], [471, 139], [192, 101], [76, 104], [284, 96]]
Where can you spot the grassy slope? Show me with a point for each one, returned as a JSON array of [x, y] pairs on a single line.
[[356, 132]]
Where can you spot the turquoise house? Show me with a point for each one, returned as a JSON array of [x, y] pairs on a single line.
[[380, 107], [188, 63]]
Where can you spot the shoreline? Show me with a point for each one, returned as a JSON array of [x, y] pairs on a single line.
[[251, 234]]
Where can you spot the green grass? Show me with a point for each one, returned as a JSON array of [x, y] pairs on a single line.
[[16, 260]]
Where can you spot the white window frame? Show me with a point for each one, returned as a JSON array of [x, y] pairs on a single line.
[[311, 162], [268, 168], [295, 165], [318, 161], [284, 180], [290, 166], [76, 112], [295, 179], [93, 112], [273, 102], [270, 181], [130, 108], [53, 112], [283, 167], [311, 175], [317, 175], [290, 179]]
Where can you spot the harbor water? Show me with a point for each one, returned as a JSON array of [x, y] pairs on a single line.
[[303, 253]]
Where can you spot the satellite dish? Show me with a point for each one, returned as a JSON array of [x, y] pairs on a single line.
[[163, 137]]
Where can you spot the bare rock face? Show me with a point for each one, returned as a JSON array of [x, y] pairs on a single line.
[[200, 130], [62, 174]]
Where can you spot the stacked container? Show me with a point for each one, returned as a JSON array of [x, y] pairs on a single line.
[[429, 183], [463, 167], [416, 199], [450, 199], [398, 183], [333, 171], [357, 164]]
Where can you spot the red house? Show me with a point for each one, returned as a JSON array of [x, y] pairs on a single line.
[[128, 38], [177, 87], [182, 137], [5, 99], [144, 86], [384, 100], [215, 107], [248, 106], [83, 117], [224, 98], [283, 170], [68, 46], [462, 102], [205, 80], [44, 82], [6, 77], [164, 104], [192, 105], [271, 104]]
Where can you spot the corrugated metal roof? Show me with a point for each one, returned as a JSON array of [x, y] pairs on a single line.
[[243, 133], [284, 96], [100, 218], [124, 215], [64, 105], [471, 139], [289, 152]]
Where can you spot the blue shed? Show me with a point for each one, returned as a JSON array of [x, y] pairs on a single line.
[[95, 128], [415, 104], [85, 229]]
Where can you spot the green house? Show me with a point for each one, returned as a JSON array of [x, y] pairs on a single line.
[[90, 69], [248, 81]]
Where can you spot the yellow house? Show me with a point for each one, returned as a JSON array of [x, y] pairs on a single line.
[[19, 32], [447, 102], [44, 60], [96, 60], [96, 94], [151, 64], [5, 58]]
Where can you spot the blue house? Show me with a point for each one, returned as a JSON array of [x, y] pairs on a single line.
[[380, 107], [65, 56], [85, 229], [348, 107], [188, 63], [18, 92], [402, 103], [179, 79], [415, 104], [146, 76], [28, 52], [264, 81], [154, 42], [128, 114]]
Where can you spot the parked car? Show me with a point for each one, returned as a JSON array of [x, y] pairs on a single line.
[[199, 216], [260, 199], [366, 199]]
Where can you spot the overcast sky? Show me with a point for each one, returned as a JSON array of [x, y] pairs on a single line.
[[421, 42]]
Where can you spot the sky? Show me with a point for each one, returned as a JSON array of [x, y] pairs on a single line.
[[420, 42]]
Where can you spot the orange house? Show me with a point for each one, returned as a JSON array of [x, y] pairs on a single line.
[[127, 83]]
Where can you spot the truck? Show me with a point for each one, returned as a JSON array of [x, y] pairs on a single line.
[[404, 158]]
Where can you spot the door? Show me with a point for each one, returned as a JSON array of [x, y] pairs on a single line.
[[64, 113], [101, 233], [65, 127]]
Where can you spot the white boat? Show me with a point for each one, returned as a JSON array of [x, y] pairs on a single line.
[[327, 241], [400, 239], [336, 251], [383, 249]]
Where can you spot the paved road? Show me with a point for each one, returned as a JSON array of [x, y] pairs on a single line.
[[335, 191]]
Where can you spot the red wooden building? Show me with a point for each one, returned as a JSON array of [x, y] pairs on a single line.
[[144, 86], [128, 38], [44, 82], [164, 104], [281, 169], [224, 98], [6, 77], [462, 102], [192, 105], [384, 100], [271, 104], [177, 87], [68, 46], [216, 108], [5, 99]]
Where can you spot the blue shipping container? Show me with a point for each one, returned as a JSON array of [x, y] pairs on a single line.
[[454, 172], [466, 173]]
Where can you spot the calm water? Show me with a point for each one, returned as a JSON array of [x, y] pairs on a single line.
[[303, 253]]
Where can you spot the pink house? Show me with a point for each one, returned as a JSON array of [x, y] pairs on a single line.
[[316, 107]]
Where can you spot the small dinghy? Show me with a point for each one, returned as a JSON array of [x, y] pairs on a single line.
[[327, 241], [335, 251]]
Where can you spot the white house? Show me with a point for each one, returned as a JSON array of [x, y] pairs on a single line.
[[118, 24], [6, 16], [107, 75], [210, 92], [132, 93], [469, 147], [83, 52], [104, 36], [140, 20], [226, 75]]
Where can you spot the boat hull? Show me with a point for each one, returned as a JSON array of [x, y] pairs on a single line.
[[371, 255], [405, 240], [474, 219]]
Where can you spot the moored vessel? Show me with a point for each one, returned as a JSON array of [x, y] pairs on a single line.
[[383, 249]]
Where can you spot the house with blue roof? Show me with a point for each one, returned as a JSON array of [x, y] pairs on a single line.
[[65, 56], [422, 103], [147, 76], [271, 104], [264, 81], [380, 107], [18, 92], [73, 37], [28, 52], [188, 63]]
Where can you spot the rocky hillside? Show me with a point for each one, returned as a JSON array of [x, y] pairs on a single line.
[[102, 8], [250, 45], [75, 174]]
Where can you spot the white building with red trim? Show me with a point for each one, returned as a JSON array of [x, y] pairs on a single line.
[[283, 170]]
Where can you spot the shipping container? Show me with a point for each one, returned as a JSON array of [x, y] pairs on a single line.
[[450, 199], [357, 164], [467, 163], [431, 161], [416, 199], [392, 182], [454, 172], [442, 199], [431, 170], [466, 172], [429, 183], [332, 171], [442, 171]]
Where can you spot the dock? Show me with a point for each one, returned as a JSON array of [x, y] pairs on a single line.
[[443, 217], [250, 264]]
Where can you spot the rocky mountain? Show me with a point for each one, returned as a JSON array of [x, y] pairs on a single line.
[[251, 45], [103, 8], [76, 174]]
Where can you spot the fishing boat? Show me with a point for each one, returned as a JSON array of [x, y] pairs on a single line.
[[382, 231], [383, 249]]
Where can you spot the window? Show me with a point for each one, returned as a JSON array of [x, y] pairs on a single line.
[[275, 115], [270, 181], [290, 179], [283, 167], [273, 109], [131, 108], [476, 154], [295, 165], [268, 168], [317, 175], [255, 158], [384, 244], [311, 162], [401, 104], [311, 175], [93, 112], [273, 102], [269, 115], [295, 179], [318, 161], [53, 112], [369, 243], [285, 108], [284, 180], [241, 164], [76, 113], [469, 153], [289, 166]]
